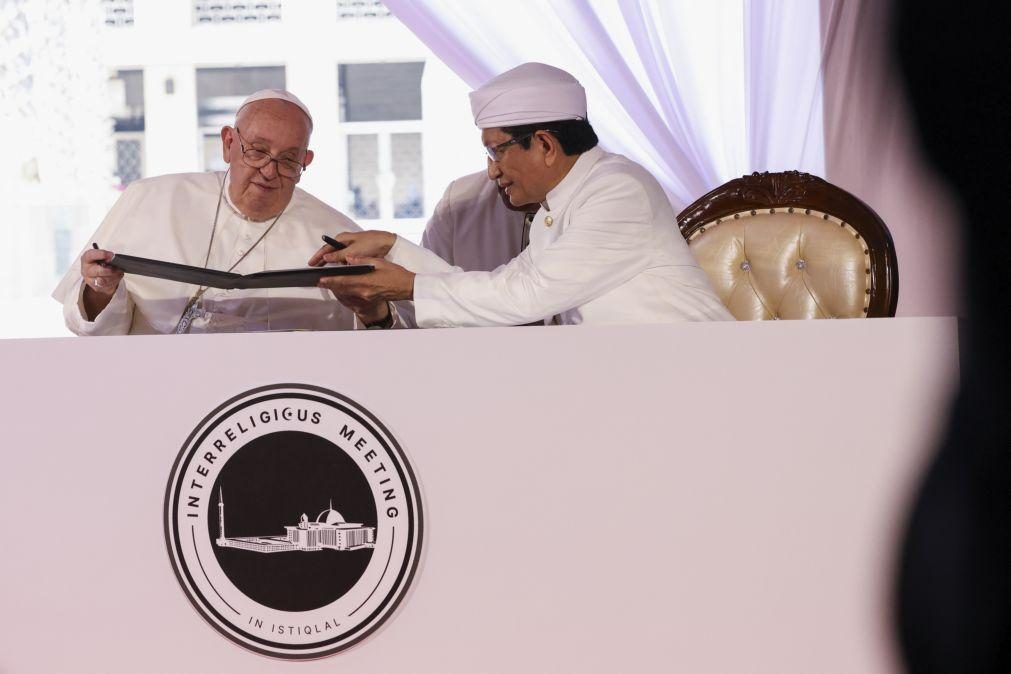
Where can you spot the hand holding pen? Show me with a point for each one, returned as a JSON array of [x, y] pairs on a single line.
[[338, 249], [334, 243], [100, 280], [99, 276], [327, 253]]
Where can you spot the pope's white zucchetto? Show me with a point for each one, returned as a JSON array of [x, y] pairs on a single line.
[[528, 94], [279, 94]]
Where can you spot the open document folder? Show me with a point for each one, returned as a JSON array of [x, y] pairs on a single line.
[[307, 277]]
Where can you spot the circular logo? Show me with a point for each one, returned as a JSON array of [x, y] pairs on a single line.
[[293, 521]]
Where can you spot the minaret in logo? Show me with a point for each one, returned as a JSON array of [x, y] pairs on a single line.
[[329, 531]]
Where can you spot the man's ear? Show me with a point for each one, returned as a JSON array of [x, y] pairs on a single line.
[[550, 146], [226, 143], [309, 154]]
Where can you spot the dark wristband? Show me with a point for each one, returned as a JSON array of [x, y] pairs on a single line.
[[382, 324]]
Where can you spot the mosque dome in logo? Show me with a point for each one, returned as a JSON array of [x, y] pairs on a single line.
[[252, 560], [330, 516]]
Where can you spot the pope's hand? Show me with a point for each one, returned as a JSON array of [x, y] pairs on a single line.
[[100, 277], [388, 283], [357, 244], [100, 280]]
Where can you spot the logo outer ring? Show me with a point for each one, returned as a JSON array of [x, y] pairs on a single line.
[[411, 562]]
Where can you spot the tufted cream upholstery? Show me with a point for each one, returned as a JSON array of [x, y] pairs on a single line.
[[777, 264], [790, 260]]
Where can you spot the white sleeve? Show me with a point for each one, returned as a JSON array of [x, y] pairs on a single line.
[[414, 258], [606, 242], [117, 317], [114, 319], [417, 259]]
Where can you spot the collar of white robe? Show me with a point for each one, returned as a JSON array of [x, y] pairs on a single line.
[[193, 309]]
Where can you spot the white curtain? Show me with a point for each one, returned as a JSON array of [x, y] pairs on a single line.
[[697, 92]]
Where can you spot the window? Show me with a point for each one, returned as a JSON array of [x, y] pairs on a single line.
[[363, 175], [405, 151], [220, 92], [377, 92], [380, 115], [62, 219], [361, 9], [126, 89], [129, 159], [236, 11], [118, 12]]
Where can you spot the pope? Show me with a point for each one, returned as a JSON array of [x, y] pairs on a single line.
[[250, 218]]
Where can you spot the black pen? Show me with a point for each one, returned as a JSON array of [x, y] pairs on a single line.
[[334, 242]]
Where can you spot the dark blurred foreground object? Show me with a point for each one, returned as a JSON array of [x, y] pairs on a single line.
[[954, 603]]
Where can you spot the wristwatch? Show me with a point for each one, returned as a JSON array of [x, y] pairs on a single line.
[[383, 324]]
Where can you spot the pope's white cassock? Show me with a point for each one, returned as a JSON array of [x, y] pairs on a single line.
[[170, 218]]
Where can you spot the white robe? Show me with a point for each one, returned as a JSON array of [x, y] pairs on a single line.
[[471, 228], [604, 249], [170, 218]]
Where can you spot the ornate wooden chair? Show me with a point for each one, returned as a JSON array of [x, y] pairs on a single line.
[[790, 245]]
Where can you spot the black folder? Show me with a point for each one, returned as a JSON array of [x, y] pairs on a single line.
[[307, 277]]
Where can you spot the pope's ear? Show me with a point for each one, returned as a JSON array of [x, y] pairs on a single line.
[[226, 142], [309, 154]]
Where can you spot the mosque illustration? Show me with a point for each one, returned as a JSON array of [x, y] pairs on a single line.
[[329, 531]]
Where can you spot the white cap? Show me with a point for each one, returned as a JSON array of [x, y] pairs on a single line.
[[528, 94], [280, 94]]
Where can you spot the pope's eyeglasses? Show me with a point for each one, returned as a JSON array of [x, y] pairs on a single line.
[[258, 159]]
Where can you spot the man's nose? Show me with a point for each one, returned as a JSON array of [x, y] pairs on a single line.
[[494, 170]]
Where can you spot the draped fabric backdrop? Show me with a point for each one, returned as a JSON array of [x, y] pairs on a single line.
[[703, 92], [668, 83], [871, 150]]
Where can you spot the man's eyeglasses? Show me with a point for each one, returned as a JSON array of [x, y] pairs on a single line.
[[495, 151], [258, 159]]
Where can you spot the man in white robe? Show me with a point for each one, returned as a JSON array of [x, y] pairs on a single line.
[[474, 227], [604, 246], [251, 218]]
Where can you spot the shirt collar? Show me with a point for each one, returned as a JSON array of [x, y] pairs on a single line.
[[559, 197]]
